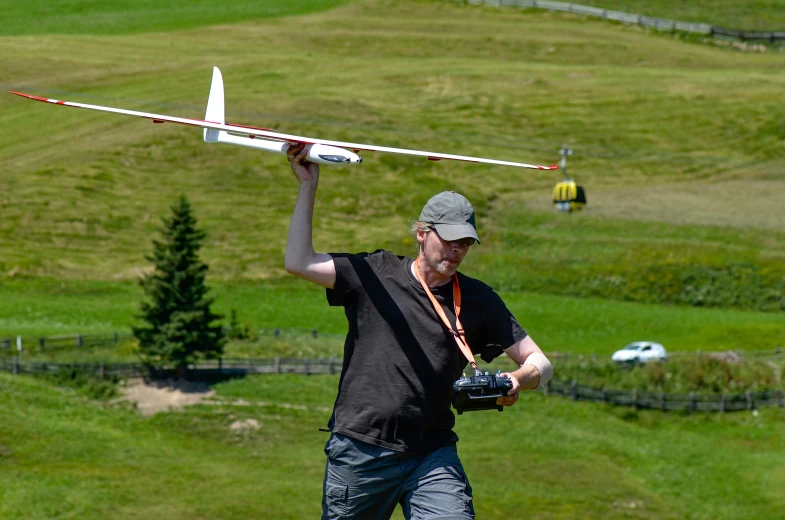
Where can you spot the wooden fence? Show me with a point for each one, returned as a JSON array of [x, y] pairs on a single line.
[[690, 402], [64, 341], [45, 343], [659, 24], [222, 368]]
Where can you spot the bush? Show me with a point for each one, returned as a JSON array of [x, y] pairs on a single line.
[[85, 383], [688, 373], [238, 330]]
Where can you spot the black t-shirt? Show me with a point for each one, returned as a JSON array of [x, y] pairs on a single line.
[[400, 361]]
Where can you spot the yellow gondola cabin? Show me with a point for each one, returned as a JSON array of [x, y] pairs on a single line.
[[568, 196]]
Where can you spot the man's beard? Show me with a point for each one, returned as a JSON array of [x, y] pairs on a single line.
[[443, 267]]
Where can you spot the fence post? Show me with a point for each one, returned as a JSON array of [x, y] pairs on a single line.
[[306, 367], [662, 400], [42, 343], [332, 365], [78, 340], [19, 345], [604, 395], [723, 399], [15, 365], [635, 399], [116, 337], [574, 390], [277, 365], [101, 372], [547, 388], [692, 402], [780, 400], [315, 333], [750, 400]]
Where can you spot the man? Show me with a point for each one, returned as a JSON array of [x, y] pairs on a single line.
[[410, 321]]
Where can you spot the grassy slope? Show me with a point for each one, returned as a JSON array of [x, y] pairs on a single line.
[[83, 208], [508, 84], [644, 113], [634, 107], [563, 459]]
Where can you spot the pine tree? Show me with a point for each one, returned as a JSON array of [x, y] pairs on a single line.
[[179, 326]]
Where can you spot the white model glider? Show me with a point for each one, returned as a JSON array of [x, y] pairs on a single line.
[[320, 151]]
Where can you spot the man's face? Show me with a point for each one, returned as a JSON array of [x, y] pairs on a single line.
[[440, 255]]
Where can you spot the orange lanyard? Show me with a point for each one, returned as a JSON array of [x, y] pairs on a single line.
[[458, 334]]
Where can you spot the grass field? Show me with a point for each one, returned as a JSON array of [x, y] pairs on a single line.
[[83, 459], [678, 143], [558, 323], [696, 127]]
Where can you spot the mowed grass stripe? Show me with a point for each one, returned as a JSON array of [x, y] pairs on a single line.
[[130, 16]]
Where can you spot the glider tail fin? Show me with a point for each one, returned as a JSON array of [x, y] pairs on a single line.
[[215, 114], [215, 107]]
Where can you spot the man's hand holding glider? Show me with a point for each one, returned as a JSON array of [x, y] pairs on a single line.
[[305, 171]]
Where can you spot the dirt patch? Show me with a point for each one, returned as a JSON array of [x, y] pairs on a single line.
[[246, 426], [162, 396]]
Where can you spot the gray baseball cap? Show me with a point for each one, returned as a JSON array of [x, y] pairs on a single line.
[[452, 215]]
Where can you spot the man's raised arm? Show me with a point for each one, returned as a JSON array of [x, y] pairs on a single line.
[[301, 259]]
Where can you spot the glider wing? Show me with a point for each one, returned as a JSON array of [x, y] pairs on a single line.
[[253, 132]]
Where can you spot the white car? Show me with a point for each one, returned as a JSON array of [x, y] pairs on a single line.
[[640, 352]]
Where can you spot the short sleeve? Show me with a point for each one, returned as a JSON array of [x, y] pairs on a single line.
[[352, 272], [346, 279], [502, 330]]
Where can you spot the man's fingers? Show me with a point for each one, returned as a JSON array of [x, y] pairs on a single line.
[[294, 150], [296, 153]]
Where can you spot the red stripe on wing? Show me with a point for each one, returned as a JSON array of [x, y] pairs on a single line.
[[29, 96]]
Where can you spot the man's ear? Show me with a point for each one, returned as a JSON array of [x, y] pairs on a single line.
[[421, 238]]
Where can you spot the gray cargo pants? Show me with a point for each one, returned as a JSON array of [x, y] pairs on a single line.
[[365, 482]]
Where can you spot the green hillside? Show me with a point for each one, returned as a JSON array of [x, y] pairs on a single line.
[[678, 144], [64, 456]]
